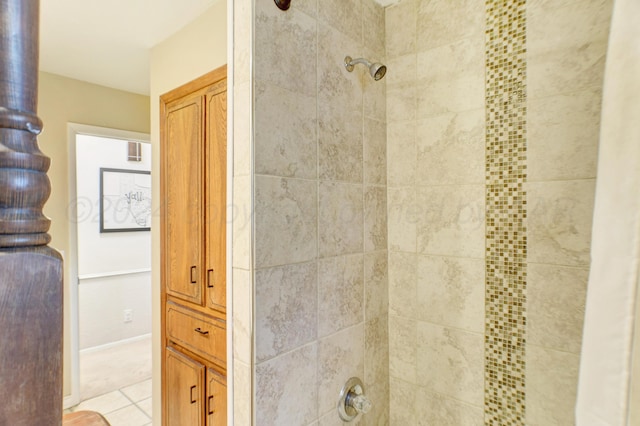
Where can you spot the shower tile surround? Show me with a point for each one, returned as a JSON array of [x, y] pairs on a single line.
[[386, 259], [492, 132]]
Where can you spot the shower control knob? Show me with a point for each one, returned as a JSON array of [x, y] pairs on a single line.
[[352, 400], [360, 403]]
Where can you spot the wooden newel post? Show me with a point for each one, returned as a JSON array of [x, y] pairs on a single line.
[[30, 271]]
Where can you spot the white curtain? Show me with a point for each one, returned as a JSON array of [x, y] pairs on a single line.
[[607, 347]]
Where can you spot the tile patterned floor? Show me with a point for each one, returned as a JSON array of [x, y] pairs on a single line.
[[129, 406], [116, 382]]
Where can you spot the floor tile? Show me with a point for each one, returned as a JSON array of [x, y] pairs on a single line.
[[127, 416], [104, 404], [138, 391], [145, 405]]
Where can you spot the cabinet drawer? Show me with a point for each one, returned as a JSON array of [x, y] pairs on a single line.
[[199, 333]]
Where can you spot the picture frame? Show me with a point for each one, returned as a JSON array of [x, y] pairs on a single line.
[[125, 200]]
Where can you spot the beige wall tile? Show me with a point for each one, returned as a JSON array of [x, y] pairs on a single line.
[[451, 220], [340, 293], [286, 308], [333, 419], [403, 359], [552, 380], [242, 217], [402, 70], [401, 28], [458, 353], [242, 397], [550, 27], [293, 70], [402, 102], [402, 284], [403, 397], [242, 130], [340, 219], [310, 7], [242, 316], [285, 122], [285, 221], [555, 306], [242, 24], [344, 16], [450, 292], [559, 221], [562, 136], [451, 148], [374, 94], [340, 143], [567, 70], [375, 152], [340, 357], [376, 354], [402, 219], [444, 22], [401, 152], [451, 78], [379, 396], [376, 285], [433, 409], [373, 27], [375, 218], [286, 388]]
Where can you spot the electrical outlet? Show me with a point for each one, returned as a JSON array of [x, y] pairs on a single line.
[[128, 315]]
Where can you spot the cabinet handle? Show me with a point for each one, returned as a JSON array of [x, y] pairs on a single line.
[[194, 275], [209, 409], [210, 278], [193, 400], [201, 331]]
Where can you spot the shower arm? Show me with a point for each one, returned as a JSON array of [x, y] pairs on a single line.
[[349, 63]]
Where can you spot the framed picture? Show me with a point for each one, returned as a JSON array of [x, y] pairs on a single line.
[[125, 200]]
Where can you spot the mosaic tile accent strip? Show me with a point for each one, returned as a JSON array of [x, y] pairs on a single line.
[[506, 240]]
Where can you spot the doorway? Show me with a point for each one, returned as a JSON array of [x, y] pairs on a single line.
[[110, 262]]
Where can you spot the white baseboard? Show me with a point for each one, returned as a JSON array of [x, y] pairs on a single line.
[[114, 344]]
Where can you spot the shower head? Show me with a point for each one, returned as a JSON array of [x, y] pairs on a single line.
[[376, 69]]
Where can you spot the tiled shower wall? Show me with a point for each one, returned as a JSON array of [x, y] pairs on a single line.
[[441, 116], [320, 232]]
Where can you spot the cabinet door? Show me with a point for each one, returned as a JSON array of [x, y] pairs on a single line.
[[184, 390], [183, 157], [216, 200], [216, 399]]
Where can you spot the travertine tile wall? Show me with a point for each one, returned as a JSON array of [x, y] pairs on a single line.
[[320, 233], [435, 130], [436, 205], [241, 215], [566, 48]]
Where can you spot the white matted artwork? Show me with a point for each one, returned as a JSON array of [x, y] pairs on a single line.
[[125, 200]]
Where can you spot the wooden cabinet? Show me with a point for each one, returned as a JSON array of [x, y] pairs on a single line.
[[193, 251]]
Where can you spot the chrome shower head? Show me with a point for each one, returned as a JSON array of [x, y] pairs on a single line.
[[376, 69]]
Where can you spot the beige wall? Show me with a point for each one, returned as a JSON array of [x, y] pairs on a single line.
[[63, 100], [193, 51]]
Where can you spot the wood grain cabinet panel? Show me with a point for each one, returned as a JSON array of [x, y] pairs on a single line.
[[193, 193], [198, 333]]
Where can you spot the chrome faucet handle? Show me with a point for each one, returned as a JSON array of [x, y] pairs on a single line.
[[352, 400], [360, 403]]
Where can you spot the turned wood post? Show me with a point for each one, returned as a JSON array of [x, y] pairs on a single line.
[[30, 271]]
